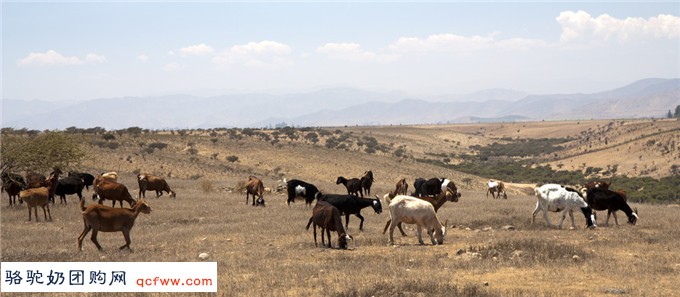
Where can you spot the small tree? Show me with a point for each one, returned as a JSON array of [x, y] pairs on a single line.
[[677, 111], [40, 153]]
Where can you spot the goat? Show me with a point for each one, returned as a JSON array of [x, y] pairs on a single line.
[[111, 176], [327, 217], [601, 199], [148, 182], [35, 180], [114, 191], [103, 218], [496, 188], [255, 187], [13, 184], [436, 202], [35, 197], [87, 178], [366, 183], [69, 185], [553, 197], [303, 189], [353, 185], [433, 187], [411, 210], [350, 204], [596, 184], [401, 188]]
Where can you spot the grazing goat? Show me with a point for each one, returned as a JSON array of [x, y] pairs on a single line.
[[436, 202], [401, 188], [51, 183], [35, 197], [353, 185], [13, 184], [601, 199], [111, 176], [433, 187], [148, 182], [554, 197], [298, 188], [366, 183], [103, 218], [87, 178], [350, 204], [35, 180], [113, 191], [411, 210], [68, 186], [596, 184], [255, 187], [327, 217], [496, 188]]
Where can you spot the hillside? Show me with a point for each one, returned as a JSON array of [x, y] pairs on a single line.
[[648, 98]]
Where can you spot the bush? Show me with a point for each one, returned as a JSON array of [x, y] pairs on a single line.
[[206, 186], [232, 158], [158, 145]]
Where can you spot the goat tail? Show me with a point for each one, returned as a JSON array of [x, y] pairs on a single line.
[[82, 204]]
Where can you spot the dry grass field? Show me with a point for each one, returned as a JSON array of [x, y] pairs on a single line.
[[267, 251]]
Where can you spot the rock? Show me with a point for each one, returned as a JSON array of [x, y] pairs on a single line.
[[203, 256], [487, 229], [615, 291], [508, 227], [516, 254], [486, 284], [460, 252], [576, 258]]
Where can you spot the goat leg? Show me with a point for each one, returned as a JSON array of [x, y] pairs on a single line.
[[126, 234]]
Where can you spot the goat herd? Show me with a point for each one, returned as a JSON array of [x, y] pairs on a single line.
[[419, 208]]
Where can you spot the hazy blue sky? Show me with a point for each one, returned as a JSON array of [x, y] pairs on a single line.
[[77, 51]]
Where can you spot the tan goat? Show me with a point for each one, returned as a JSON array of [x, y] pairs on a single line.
[[35, 197], [148, 182], [97, 217], [255, 187]]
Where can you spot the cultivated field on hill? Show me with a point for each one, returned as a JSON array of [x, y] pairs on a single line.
[[267, 252]]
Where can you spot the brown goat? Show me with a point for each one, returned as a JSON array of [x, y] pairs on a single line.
[[436, 202], [114, 191], [148, 182], [255, 187], [327, 217], [353, 185], [401, 188], [35, 197], [103, 218]]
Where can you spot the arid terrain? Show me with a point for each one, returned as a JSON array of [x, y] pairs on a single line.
[[491, 249]]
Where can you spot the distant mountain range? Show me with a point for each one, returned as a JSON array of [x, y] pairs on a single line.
[[342, 106]]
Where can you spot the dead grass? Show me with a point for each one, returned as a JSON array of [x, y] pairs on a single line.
[[267, 252]]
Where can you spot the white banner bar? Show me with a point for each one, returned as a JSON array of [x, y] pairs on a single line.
[[108, 277]]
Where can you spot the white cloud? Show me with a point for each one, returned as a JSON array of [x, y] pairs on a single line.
[[198, 49], [581, 26], [172, 66], [265, 54], [52, 57], [143, 58], [353, 52], [94, 58], [461, 44]]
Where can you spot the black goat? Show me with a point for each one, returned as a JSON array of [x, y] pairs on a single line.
[[601, 199], [13, 184], [366, 183], [433, 187], [69, 185], [353, 185], [303, 189], [349, 204], [88, 179], [327, 217]]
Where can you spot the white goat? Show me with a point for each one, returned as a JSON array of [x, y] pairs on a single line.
[[554, 197], [411, 210]]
